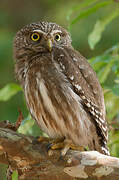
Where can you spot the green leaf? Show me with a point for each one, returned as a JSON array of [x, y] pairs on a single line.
[[8, 91], [100, 62], [104, 74], [30, 127], [114, 143], [115, 89], [95, 36], [15, 175], [84, 4], [79, 7], [90, 11], [26, 125], [112, 104]]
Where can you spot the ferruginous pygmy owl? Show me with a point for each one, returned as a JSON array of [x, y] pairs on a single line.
[[61, 89]]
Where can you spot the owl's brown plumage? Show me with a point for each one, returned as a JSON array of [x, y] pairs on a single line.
[[61, 89]]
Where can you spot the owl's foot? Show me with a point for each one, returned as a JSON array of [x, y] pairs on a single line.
[[59, 143], [53, 144], [65, 146], [69, 145]]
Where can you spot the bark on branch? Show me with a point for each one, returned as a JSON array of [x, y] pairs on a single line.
[[32, 161]]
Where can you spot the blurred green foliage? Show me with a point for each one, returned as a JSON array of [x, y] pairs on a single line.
[[94, 27], [15, 175], [8, 91]]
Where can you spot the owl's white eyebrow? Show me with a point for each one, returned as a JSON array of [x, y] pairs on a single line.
[[39, 31], [55, 31]]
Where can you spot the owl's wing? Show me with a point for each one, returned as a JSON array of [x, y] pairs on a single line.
[[85, 84]]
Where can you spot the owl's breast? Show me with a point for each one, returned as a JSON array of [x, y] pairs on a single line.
[[56, 108]]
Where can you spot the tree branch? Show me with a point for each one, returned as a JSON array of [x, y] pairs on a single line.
[[31, 160]]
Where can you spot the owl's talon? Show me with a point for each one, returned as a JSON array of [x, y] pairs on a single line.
[[48, 146]]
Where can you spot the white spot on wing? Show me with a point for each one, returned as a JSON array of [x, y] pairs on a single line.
[[104, 129], [77, 87], [61, 55], [92, 108], [88, 105], [100, 119], [81, 67], [63, 67], [96, 116], [97, 112], [93, 113], [83, 97], [105, 150], [72, 77], [74, 59]]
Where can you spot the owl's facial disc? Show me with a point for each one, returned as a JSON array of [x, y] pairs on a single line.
[[49, 39], [39, 36]]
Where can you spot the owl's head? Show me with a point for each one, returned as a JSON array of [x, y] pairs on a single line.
[[40, 37]]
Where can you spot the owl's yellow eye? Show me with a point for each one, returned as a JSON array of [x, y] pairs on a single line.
[[35, 36], [57, 37]]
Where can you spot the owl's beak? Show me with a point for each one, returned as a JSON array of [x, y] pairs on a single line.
[[49, 44]]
